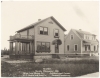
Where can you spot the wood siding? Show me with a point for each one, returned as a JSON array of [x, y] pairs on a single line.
[[76, 41], [49, 37]]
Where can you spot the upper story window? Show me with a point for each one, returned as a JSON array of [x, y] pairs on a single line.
[[44, 30], [71, 37], [56, 33]]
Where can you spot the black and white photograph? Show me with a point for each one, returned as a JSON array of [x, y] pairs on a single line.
[[50, 38]]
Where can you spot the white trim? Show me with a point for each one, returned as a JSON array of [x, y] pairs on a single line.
[[77, 47]]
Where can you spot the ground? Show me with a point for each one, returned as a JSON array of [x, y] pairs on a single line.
[[71, 66]]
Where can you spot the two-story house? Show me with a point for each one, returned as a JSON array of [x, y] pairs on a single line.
[[43, 38], [80, 42]]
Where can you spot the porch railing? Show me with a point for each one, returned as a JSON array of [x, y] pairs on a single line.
[[18, 36]]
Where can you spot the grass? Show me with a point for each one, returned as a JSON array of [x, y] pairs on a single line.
[[74, 66]]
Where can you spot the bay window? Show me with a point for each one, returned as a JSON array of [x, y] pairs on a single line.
[[43, 46]]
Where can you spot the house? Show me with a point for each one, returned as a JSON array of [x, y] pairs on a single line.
[[80, 42], [44, 39]]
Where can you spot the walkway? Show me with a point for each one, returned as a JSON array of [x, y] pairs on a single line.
[[96, 74]]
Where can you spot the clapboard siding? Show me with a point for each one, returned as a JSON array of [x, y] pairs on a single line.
[[23, 32], [31, 31], [71, 43], [50, 36]]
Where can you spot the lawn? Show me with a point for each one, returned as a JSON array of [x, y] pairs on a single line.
[[75, 67]]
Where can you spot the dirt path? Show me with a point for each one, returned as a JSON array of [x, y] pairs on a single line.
[[91, 75]]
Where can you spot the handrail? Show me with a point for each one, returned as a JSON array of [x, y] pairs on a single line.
[[18, 36]]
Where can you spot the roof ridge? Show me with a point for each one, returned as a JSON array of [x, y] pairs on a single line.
[[84, 32], [33, 24]]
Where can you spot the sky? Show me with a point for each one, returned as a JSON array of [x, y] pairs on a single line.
[[15, 15]]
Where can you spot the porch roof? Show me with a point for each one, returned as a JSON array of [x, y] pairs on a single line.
[[57, 41], [87, 42]]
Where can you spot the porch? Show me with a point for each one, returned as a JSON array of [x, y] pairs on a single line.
[[21, 45], [90, 47]]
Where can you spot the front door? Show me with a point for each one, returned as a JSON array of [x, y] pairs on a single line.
[[56, 48]]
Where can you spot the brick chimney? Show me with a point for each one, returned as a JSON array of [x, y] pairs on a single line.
[[39, 19]]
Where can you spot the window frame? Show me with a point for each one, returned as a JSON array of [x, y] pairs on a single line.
[[43, 30], [67, 47], [37, 50], [74, 47], [71, 37], [55, 32]]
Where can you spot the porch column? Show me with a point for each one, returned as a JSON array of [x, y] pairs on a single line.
[[19, 47], [30, 48], [97, 48], [11, 47], [16, 47]]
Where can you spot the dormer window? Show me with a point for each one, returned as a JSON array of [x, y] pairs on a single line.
[[56, 33], [44, 30], [71, 37]]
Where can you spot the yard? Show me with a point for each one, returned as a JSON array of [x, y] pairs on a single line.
[[74, 66]]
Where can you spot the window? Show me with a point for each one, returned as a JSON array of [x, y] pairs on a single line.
[[85, 47], [56, 33], [41, 30], [71, 37], [43, 46], [75, 48], [38, 46], [47, 46], [67, 47], [44, 30]]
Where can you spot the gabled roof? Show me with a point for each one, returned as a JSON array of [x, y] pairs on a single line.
[[80, 33], [32, 25]]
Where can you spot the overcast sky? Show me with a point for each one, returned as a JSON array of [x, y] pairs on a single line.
[[71, 15]]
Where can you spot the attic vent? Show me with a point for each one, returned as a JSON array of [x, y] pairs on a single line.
[[51, 22]]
